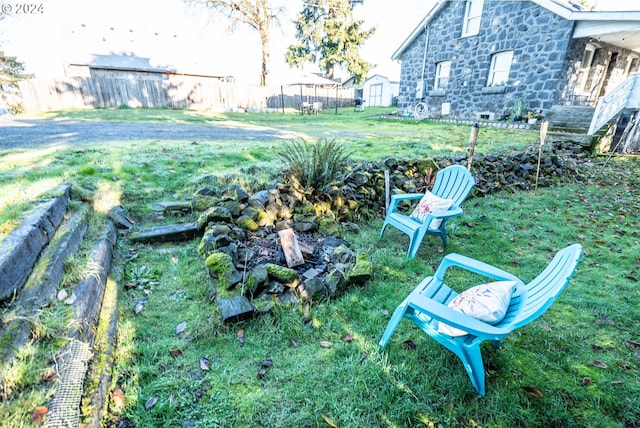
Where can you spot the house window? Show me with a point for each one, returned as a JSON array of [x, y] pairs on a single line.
[[472, 15], [443, 69], [500, 67], [587, 57]]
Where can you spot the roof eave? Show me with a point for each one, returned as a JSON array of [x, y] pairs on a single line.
[[419, 28]]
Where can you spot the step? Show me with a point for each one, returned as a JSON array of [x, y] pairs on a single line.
[[42, 284], [20, 250]]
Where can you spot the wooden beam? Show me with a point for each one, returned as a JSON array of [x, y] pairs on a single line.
[[290, 247]]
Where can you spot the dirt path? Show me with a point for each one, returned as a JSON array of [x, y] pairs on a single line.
[[18, 132]]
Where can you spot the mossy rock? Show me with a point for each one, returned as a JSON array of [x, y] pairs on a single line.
[[343, 254], [256, 279], [221, 266], [214, 214], [427, 166], [282, 274], [362, 270], [232, 206], [247, 223], [312, 289], [329, 226], [335, 282], [203, 202], [251, 212]]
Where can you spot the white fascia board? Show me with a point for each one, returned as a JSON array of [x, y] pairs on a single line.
[[591, 28], [419, 29]]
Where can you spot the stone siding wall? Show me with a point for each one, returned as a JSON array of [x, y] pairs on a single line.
[[538, 37]]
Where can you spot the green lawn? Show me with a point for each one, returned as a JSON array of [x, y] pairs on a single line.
[[576, 366]]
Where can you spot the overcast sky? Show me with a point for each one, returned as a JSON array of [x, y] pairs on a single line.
[[169, 33]]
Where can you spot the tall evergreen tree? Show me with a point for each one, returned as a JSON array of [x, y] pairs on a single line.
[[329, 36]]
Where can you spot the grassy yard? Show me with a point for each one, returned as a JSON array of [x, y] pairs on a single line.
[[579, 365]]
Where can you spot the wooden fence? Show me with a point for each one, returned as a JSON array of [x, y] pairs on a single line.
[[174, 92]]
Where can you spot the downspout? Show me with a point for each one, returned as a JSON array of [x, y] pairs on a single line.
[[424, 56], [420, 84]]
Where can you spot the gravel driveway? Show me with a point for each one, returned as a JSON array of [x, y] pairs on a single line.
[[17, 132]]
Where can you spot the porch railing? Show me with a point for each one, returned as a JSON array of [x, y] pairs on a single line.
[[624, 96]]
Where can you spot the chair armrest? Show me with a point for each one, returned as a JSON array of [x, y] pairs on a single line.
[[451, 212], [396, 199], [473, 265], [445, 314]]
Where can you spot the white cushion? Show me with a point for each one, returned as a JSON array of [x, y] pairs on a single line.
[[486, 302], [431, 203]]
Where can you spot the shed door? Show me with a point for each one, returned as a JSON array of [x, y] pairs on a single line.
[[375, 95]]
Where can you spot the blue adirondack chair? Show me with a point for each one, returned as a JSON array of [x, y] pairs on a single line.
[[453, 182], [426, 306]]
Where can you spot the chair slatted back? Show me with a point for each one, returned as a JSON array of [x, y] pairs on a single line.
[[538, 295], [453, 182]]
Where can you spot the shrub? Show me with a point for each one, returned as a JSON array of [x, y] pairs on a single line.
[[315, 166]]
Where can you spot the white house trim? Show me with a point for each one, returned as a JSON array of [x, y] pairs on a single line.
[[617, 28]]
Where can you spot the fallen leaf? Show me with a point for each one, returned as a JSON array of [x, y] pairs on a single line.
[[385, 312], [329, 421], [326, 344], [295, 343], [138, 308], [204, 363], [38, 414], [586, 381], [598, 364], [180, 328], [262, 373], [62, 294], [616, 382], [268, 362], [633, 343], [363, 358], [348, 338], [240, 335], [118, 398], [151, 402], [409, 344], [174, 259], [175, 352], [533, 391]]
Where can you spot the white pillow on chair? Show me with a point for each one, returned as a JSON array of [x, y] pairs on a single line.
[[486, 302], [431, 203]]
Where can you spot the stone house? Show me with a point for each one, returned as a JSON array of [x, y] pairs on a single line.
[[485, 59]]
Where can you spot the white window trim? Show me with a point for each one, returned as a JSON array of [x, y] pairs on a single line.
[[500, 68], [472, 16], [627, 67], [443, 72]]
